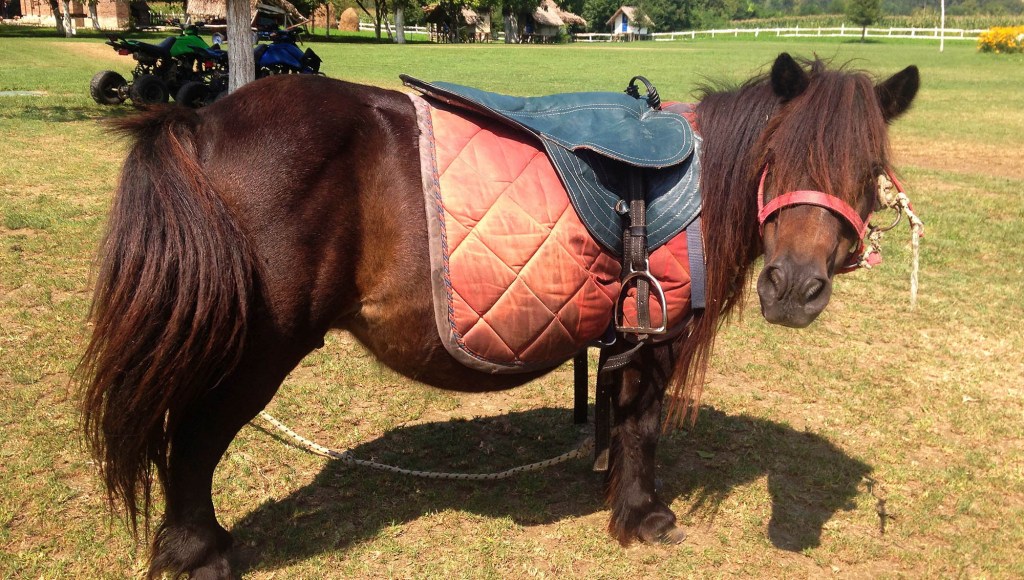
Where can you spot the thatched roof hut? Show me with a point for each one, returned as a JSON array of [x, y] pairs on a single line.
[[465, 24], [549, 17], [216, 10]]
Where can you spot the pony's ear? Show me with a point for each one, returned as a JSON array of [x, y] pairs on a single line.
[[897, 92], [788, 77]]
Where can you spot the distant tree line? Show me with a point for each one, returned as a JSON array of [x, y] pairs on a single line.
[[670, 15]]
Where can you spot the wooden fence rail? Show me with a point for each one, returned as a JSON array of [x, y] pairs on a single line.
[[844, 31], [797, 31]]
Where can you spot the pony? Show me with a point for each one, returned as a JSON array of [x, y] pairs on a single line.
[[219, 272]]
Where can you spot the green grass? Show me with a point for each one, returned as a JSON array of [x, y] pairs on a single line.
[[804, 437]]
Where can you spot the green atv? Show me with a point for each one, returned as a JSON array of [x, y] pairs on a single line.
[[161, 70]]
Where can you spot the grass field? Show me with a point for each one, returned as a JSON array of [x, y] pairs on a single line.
[[879, 442]]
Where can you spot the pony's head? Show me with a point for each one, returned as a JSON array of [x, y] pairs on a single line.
[[820, 160]]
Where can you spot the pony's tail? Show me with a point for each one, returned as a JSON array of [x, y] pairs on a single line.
[[174, 289]]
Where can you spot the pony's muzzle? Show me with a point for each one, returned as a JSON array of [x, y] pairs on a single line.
[[792, 294]]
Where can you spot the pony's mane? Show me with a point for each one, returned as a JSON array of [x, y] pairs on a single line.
[[744, 128]]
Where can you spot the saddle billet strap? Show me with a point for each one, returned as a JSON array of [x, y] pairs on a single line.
[[636, 268], [636, 248]]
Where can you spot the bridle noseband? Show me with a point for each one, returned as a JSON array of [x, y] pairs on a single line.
[[868, 252]]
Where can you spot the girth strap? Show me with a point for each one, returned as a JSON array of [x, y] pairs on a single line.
[[698, 273]]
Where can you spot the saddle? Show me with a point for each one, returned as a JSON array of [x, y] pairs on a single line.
[[598, 142], [520, 280]]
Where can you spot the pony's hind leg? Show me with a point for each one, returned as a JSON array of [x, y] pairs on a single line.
[[637, 392], [190, 540]]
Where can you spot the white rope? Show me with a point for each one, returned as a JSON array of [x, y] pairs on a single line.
[[348, 458], [916, 230], [873, 243]]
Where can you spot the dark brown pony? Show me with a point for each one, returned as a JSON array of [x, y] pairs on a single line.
[[242, 233]]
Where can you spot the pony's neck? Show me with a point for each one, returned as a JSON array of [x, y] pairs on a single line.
[[732, 123]]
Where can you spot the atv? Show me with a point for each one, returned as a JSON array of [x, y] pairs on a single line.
[[161, 70], [282, 56], [212, 84]]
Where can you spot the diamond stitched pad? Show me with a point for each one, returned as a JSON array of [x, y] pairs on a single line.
[[526, 284]]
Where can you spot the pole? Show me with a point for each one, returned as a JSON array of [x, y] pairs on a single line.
[[942, 26]]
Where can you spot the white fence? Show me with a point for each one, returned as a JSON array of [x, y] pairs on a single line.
[[844, 31], [368, 27]]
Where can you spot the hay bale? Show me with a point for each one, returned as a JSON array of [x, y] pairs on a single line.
[[349, 21]]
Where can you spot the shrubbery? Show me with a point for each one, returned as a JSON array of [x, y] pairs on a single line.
[[1006, 39]]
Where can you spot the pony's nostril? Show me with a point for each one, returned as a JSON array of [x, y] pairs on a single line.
[[778, 280], [813, 289]]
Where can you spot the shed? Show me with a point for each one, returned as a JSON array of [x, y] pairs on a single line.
[[111, 14], [628, 23]]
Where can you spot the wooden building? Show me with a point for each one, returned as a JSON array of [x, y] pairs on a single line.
[[266, 14], [457, 24], [110, 14], [629, 24]]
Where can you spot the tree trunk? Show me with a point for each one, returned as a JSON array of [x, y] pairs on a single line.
[[511, 29], [57, 20], [68, 27], [95, 18], [384, 20], [376, 19], [399, 25], [864, 33], [241, 67], [330, 23]]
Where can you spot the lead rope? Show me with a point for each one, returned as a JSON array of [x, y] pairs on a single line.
[[349, 459], [873, 243], [917, 229]]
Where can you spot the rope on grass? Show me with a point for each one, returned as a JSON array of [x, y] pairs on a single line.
[[348, 458]]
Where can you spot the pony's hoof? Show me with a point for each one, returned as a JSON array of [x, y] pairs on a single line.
[[660, 528], [674, 536]]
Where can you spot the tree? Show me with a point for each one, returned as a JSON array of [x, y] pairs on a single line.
[[400, 21], [69, 29], [241, 66], [597, 13], [864, 13], [93, 16], [57, 19]]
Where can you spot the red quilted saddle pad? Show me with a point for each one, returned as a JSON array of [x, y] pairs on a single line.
[[518, 283]]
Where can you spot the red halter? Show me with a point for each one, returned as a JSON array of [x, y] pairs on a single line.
[[827, 201]]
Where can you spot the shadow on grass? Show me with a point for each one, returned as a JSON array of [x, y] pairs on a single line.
[[357, 39], [809, 479], [64, 114]]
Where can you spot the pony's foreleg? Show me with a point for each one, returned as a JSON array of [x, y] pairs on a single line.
[[637, 393], [190, 540]]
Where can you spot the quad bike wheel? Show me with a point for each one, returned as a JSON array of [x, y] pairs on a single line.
[[108, 88], [148, 90], [194, 95]]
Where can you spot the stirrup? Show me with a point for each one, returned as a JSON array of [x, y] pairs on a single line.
[[620, 302]]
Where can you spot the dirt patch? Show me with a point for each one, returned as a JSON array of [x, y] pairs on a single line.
[[973, 158], [97, 51]]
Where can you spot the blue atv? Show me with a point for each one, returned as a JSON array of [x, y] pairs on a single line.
[[282, 56]]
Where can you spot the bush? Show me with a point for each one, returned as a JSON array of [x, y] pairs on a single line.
[[1002, 40]]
